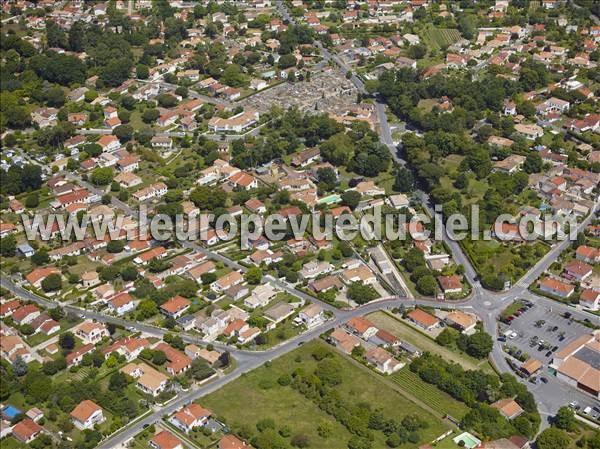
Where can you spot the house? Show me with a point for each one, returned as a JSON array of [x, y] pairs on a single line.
[[175, 307], [236, 124], [361, 327], [384, 361], [462, 321], [314, 268], [590, 299], [385, 339], [398, 201], [149, 380], [25, 314], [26, 430], [326, 283], [578, 270], [261, 296], [306, 157], [361, 273], [25, 250], [76, 357], [508, 408], [556, 288], [369, 188], [87, 414], [128, 347], [450, 284], [165, 440], [232, 442], [190, 417], [530, 132], [161, 142], [510, 107], [343, 340], [7, 229], [279, 312], [128, 163], [122, 303], [311, 316], [158, 252], [178, 361], [127, 179], [423, 319], [227, 281], [194, 352], [510, 165], [152, 191], [7, 308], [256, 206], [36, 277], [242, 180], [588, 254], [109, 143], [90, 278], [91, 332]]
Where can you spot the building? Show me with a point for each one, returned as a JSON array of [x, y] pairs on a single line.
[[190, 417], [361, 327], [153, 191], [149, 380], [91, 332], [261, 296], [578, 270], [311, 316], [423, 319], [122, 303], [508, 408], [26, 430], [175, 307], [590, 299], [450, 284], [462, 321], [383, 361], [87, 414], [165, 440], [235, 124], [343, 340], [577, 364], [232, 442], [556, 288]]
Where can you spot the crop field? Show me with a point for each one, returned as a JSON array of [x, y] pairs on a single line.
[[429, 394], [437, 38]]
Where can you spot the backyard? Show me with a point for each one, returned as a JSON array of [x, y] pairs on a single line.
[[287, 407]]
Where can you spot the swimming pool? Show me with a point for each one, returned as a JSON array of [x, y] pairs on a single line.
[[10, 412], [470, 440], [330, 199]]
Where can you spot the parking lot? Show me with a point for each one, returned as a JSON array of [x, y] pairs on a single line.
[[541, 332]]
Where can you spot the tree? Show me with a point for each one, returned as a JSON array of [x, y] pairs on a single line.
[[427, 285], [553, 438], [233, 76], [361, 293], [351, 198], [404, 180], [150, 115], [533, 163], [565, 419], [417, 51], [159, 358], [253, 276], [66, 340], [52, 282], [124, 133], [8, 246], [142, 71], [32, 200], [479, 345], [300, 440], [146, 309], [102, 176], [19, 366], [117, 382], [200, 369], [115, 247], [40, 257], [286, 61], [129, 273]]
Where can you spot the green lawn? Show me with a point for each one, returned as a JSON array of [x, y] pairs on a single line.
[[429, 394], [407, 333], [257, 395]]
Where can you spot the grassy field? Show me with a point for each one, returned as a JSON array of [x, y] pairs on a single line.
[[429, 394], [437, 38], [405, 332], [257, 395]]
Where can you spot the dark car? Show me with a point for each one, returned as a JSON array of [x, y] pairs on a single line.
[[549, 353], [543, 379]]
